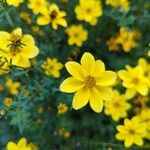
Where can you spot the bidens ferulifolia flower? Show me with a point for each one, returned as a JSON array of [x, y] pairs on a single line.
[[90, 81], [14, 3], [18, 48]]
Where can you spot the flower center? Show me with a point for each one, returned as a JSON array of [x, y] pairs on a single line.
[[88, 10], [116, 105], [135, 80], [15, 39], [90, 82], [53, 14], [131, 131]]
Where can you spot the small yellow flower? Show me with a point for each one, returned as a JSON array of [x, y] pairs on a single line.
[[119, 3], [54, 16], [26, 17], [64, 133], [21, 145], [18, 48], [13, 87], [4, 66], [40, 110], [1, 87], [26, 92], [62, 108], [8, 101], [37, 30], [52, 67], [131, 132], [90, 81], [37, 6], [89, 11], [117, 107], [77, 35], [14, 3], [134, 81]]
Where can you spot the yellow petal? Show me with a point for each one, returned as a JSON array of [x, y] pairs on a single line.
[[22, 142], [96, 102], [99, 68], [128, 141], [11, 146], [81, 98], [75, 70], [130, 93], [28, 40], [71, 85], [142, 89], [88, 63], [17, 31], [106, 78], [138, 140], [43, 20], [105, 92], [120, 136]]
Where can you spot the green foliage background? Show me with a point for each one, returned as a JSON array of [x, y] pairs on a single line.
[[88, 130]]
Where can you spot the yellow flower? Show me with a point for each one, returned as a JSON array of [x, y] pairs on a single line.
[[64, 133], [21, 145], [13, 87], [40, 110], [77, 35], [4, 66], [37, 30], [90, 81], [53, 16], [14, 3], [37, 6], [134, 81], [33, 146], [119, 3], [26, 17], [112, 44], [144, 117], [52, 67], [89, 11], [1, 87], [18, 48], [131, 132], [117, 107], [8, 101], [62, 108]]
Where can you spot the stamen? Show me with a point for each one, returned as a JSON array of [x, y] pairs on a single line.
[[90, 82]]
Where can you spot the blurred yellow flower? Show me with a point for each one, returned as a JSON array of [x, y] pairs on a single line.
[[134, 81], [37, 6], [8, 101], [40, 109], [77, 35], [89, 11], [62, 108], [52, 67], [54, 16], [37, 30], [14, 3], [13, 87], [64, 133], [131, 132], [26, 17], [117, 106], [18, 48], [119, 3], [4, 66], [21, 145], [1, 87], [90, 81]]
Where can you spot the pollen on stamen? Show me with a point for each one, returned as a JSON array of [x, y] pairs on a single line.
[[90, 82]]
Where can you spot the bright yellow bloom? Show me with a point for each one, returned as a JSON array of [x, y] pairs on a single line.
[[21, 145], [52, 67], [18, 48], [4, 66], [144, 117], [90, 81], [53, 16], [131, 132], [14, 3], [37, 6], [77, 35], [62, 108], [89, 11], [13, 87], [8, 101], [134, 81], [117, 107], [119, 3]]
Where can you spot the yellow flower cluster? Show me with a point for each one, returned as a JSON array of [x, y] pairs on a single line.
[[91, 82], [119, 4], [52, 67], [127, 39], [17, 48], [89, 11], [21, 145]]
